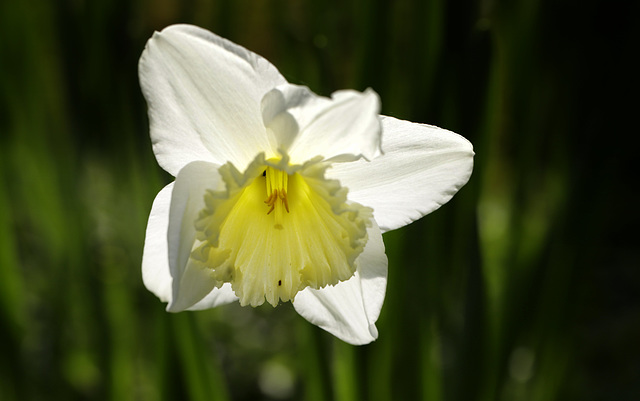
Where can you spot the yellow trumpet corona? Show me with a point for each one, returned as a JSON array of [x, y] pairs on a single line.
[[278, 229]]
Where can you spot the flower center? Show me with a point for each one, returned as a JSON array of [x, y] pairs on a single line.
[[277, 181], [277, 229]]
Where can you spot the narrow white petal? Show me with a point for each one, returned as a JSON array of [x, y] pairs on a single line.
[[217, 297], [305, 125], [350, 309], [422, 168], [191, 281], [155, 256], [156, 273], [204, 95]]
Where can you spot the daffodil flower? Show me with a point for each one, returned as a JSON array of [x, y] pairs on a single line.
[[280, 194]]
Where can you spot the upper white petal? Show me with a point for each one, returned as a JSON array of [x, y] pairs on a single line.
[[191, 281], [204, 95], [305, 125], [422, 168], [350, 309], [155, 256]]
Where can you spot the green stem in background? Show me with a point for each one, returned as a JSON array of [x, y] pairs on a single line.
[[344, 370], [312, 364], [431, 362], [12, 317], [202, 374]]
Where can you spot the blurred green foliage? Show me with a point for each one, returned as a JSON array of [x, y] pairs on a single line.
[[523, 287]]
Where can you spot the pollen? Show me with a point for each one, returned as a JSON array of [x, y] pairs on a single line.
[[277, 181]]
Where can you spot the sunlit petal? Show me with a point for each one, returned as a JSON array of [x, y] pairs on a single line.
[[350, 309], [305, 125], [422, 168], [204, 95], [191, 282], [155, 256]]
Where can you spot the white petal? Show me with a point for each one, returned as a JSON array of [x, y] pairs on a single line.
[[217, 297], [345, 127], [204, 95], [191, 281], [350, 309], [155, 257], [422, 168]]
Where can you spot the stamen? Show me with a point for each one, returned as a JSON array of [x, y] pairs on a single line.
[[285, 202], [277, 182], [271, 201]]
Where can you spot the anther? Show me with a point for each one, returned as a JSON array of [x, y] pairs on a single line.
[[283, 196], [276, 189]]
